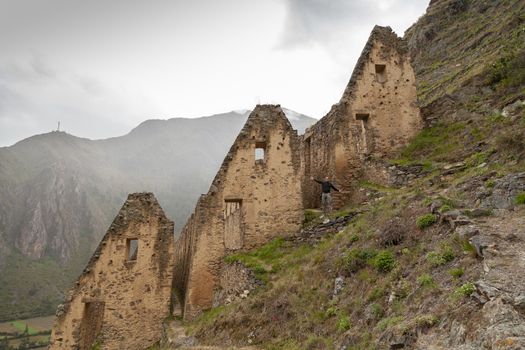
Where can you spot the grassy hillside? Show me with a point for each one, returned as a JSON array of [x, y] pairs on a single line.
[[399, 275], [404, 272]]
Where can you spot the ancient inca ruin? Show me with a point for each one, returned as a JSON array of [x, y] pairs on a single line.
[[259, 193], [124, 293]]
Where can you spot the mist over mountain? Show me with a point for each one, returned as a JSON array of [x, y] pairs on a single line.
[[60, 192]]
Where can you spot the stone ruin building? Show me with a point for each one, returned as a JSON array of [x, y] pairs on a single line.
[[255, 196], [377, 114], [259, 193], [124, 293]]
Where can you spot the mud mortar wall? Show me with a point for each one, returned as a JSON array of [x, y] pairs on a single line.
[[377, 114], [121, 299], [262, 196]]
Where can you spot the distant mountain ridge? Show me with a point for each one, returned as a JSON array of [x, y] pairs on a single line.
[[60, 192]]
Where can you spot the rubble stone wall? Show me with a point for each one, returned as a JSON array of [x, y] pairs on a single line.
[[377, 114], [250, 202], [122, 297]]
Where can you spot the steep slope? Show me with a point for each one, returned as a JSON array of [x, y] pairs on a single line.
[[59, 193], [433, 260]]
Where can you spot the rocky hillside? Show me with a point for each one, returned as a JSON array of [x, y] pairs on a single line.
[[59, 194], [435, 259]]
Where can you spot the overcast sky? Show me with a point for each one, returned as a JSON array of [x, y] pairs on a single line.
[[103, 66]]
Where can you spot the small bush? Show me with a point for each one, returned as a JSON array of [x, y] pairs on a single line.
[[426, 321], [343, 324], [520, 198], [490, 183], [356, 259], [384, 261], [309, 216], [389, 322], [425, 280], [376, 293], [377, 311], [331, 311], [448, 254], [456, 272], [465, 290], [354, 238], [426, 220]]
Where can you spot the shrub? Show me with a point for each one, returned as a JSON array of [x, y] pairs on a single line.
[[309, 216], [490, 183], [456, 272], [425, 321], [465, 290], [511, 143], [425, 280], [426, 220], [384, 261], [356, 259], [389, 322], [343, 324], [520, 198], [448, 254], [377, 311], [331, 311], [376, 293]]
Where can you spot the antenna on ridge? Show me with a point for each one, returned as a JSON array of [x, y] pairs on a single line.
[[58, 128]]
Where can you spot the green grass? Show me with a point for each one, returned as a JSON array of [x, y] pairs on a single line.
[[456, 272], [436, 143], [520, 198], [444, 255], [29, 288], [464, 290], [426, 220], [343, 324], [21, 327], [425, 280], [384, 261], [262, 261]]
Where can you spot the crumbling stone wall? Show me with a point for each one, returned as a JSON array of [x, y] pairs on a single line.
[[377, 114], [123, 295], [249, 202]]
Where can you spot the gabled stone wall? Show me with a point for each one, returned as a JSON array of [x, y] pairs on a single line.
[[249, 202], [123, 295], [377, 114]]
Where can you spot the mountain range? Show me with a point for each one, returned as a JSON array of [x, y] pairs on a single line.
[[59, 193]]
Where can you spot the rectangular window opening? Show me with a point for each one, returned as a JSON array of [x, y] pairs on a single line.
[[260, 151], [362, 116], [132, 249], [307, 156], [381, 73]]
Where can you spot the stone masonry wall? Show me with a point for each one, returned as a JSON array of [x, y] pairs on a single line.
[[377, 114], [249, 202], [122, 297]]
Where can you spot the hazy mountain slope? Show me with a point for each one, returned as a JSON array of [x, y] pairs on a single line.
[[59, 194]]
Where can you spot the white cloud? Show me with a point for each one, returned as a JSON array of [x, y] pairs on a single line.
[[34, 96]]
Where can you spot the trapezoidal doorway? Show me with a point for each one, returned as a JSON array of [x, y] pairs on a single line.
[[233, 236], [91, 323]]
